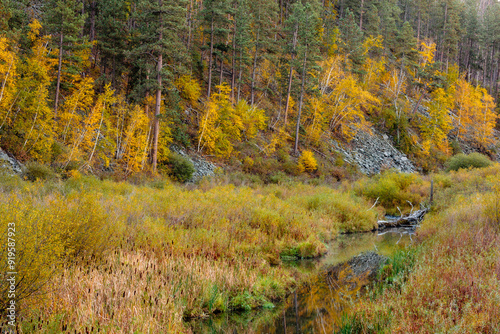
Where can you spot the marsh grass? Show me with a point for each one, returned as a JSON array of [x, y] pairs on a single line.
[[123, 258], [454, 286]]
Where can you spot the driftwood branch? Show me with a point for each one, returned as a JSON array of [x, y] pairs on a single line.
[[408, 220]]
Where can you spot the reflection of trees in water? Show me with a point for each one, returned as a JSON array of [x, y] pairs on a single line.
[[317, 306]]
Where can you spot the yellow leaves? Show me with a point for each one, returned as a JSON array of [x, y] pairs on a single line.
[[342, 103], [8, 62], [371, 43], [35, 27], [189, 88], [307, 162], [223, 124], [84, 143], [333, 43], [374, 70], [34, 124], [437, 125], [427, 53], [252, 118], [74, 109], [475, 117]]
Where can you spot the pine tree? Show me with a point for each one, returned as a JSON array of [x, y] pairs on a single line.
[[389, 19], [263, 13], [158, 51], [307, 18], [63, 19], [214, 17], [352, 41], [241, 46], [406, 45], [112, 34]]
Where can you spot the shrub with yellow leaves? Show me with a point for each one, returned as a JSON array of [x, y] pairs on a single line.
[[307, 162]]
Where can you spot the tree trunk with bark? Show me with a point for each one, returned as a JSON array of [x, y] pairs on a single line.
[[210, 59], [296, 147], [59, 69]]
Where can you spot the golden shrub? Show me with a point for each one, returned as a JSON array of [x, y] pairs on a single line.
[[307, 162]]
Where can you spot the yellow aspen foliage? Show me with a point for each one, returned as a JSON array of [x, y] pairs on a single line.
[[220, 125], [85, 144], [464, 103], [317, 126], [307, 162], [252, 118], [394, 85], [341, 107], [8, 64], [372, 43], [165, 139], [189, 89], [485, 118], [129, 134], [135, 140], [267, 73], [435, 128], [33, 118], [374, 70], [427, 53], [475, 116], [278, 138], [74, 109]]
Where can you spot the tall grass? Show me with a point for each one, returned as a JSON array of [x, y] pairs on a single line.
[[454, 286], [122, 258]]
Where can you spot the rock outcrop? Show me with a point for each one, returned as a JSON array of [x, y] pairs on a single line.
[[374, 152], [9, 165], [359, 270]]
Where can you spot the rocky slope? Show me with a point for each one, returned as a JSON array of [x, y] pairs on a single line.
[[374, 152], [9, 165]]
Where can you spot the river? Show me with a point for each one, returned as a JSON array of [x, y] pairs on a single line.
[[318, 305]]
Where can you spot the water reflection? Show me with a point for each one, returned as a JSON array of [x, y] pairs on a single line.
[[317, 306]]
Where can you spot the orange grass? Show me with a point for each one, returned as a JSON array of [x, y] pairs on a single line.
[[455, 284]]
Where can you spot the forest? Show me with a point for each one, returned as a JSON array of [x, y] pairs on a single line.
[[107, 105], [108, 85]]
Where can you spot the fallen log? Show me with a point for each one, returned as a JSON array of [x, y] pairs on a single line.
[[413, 218]]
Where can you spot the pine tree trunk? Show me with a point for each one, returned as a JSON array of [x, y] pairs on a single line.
[[59, 68], [254, 69], [444, 31], [221, 70], [361, 15], [497, 83], [210, 59], [233, 70], [93, 10], [418, 27], [289, 91], [156, 133], [189, 24], [296, 147], [240, 72]]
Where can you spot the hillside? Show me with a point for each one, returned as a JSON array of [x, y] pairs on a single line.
[[106, 87]]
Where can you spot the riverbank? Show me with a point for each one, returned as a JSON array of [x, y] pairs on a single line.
[[454, 285], [128, 258]]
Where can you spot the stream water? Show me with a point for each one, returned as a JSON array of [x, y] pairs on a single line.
[[318, 305]]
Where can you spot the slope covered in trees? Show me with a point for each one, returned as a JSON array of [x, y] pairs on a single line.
[[108, 85]]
